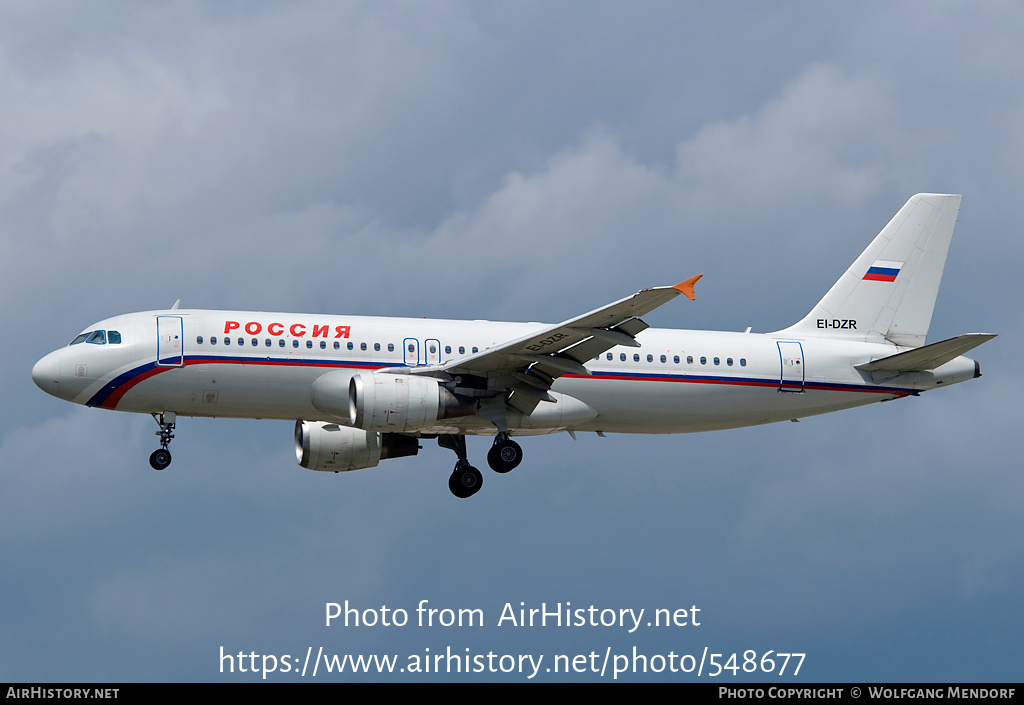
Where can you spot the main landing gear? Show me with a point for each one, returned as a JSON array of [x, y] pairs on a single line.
[[466, 480], [161, 457], [505, 455]]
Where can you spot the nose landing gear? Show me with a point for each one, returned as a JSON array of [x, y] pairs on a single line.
[[161, 457]]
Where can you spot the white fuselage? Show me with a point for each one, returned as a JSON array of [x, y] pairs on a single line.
[[264, 365]]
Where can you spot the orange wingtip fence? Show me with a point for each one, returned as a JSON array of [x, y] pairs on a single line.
[[686, 287]]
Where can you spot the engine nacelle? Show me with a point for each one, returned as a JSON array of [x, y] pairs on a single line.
[[401, 403], [330, 447]]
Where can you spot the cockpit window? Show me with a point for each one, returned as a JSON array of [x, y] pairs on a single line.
[[98, 337]]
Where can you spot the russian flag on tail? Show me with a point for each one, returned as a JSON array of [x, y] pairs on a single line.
[[883, 271]]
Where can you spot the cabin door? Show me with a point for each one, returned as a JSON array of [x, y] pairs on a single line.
[[791, 358], [170, 338]]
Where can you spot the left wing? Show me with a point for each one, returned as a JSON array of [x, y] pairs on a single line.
[[523, 370]]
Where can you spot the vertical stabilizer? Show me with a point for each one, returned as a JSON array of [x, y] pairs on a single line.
[[889, 292]]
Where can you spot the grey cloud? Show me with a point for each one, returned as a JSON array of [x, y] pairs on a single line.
[[524, 161]]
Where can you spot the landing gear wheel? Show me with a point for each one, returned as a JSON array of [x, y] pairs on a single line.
[[160, 459], [505, 455], [465, 481]]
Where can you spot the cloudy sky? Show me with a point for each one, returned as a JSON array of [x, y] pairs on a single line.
[[509, 161]]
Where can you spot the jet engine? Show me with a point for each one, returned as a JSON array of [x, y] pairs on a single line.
[[399, 403], [328, 446]]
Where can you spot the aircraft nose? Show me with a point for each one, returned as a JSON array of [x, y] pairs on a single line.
[[46, 374]]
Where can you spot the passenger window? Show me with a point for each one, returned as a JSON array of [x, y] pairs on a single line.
[[391, 347], [227, 340], [650, 358], [475, 350], [337, 345], [323, 344], [728, 361], [622, 357], [376, 347], [664, 359], [280, 342], [675, 359], [362, 346], [309, 344], [743, 362], [295, 343], [98, 337], [255, 342], [636, 357], [241, 341], [717, 361], [447, 349], [113, 337], [213, 340], [267, 342], [199, 339], [703, 360], [610, 356], [462, 350], [689, 359], [351, 346]]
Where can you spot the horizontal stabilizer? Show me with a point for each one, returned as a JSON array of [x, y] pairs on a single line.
[[928, 357]]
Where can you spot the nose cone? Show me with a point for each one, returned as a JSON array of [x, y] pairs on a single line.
[[46, 374]]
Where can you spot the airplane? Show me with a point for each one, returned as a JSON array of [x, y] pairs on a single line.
[[365, 389]]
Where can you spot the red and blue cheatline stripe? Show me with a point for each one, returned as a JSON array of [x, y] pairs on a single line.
[[743, 382], [112, 391]]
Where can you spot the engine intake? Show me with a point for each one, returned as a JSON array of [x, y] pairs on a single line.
[[401, 403], [330, 447]]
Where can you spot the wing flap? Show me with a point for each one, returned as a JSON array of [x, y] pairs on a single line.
[[633, 326], [556, 363]]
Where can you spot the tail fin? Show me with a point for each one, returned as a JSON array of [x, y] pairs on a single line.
[[889, 292]]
